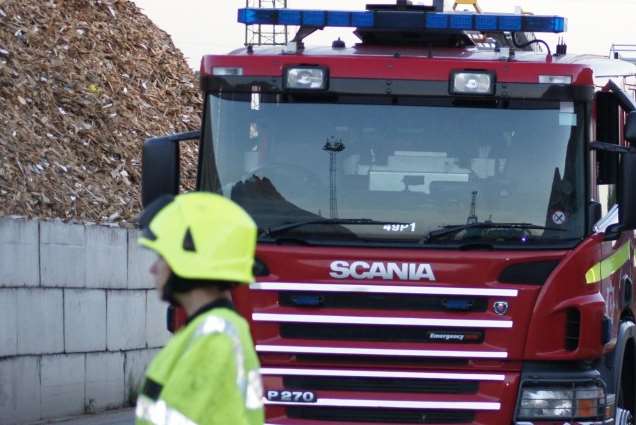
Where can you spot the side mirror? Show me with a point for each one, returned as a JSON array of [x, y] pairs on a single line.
[[160, 170], [630, 128], [627, 188]]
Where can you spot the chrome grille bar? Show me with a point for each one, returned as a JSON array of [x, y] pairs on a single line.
[[384, 289], [367, 320]]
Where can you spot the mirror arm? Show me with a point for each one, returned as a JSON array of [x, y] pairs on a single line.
[[613, 232], [625, 101], [181, 137], [610, 147]]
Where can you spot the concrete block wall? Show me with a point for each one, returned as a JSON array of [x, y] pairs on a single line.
[[79, 318]]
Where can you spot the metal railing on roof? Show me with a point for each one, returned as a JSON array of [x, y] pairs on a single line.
[[266, 35], [623, 51]]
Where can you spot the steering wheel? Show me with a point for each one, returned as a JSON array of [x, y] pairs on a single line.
[[289, 179]]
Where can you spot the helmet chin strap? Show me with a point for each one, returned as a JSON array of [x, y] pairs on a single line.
[[179, 285], [169, 290]]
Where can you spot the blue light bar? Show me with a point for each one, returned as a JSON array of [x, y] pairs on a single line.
[[289, 17], [363, 19], [461, 21], [510, 23], [486, 22], [437, 21], [539, 22], [403, 20], [339, 19], [314, 18]]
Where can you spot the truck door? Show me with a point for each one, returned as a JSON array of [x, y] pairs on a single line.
[[617, 267]]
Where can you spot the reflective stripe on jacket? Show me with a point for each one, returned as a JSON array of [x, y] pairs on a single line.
[[208, 374]]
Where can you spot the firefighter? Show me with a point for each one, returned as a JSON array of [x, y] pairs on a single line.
[[208, 373]]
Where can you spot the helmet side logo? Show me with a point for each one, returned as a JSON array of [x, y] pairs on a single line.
[[188, 242]]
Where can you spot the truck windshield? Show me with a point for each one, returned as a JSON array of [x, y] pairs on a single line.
[[409, 166]]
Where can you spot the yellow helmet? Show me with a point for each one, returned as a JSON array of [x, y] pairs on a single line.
[[201, 236]]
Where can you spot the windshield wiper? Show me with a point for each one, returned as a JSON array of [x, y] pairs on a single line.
[[272, 231], [448, 230]]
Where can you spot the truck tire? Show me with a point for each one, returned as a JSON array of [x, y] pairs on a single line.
[[626, 397]]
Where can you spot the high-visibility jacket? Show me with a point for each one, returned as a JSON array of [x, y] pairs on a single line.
[[208, 374]]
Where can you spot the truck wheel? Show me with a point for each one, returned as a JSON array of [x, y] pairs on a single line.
[[626, 399]]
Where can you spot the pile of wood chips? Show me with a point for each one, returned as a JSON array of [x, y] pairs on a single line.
[[82, 84]]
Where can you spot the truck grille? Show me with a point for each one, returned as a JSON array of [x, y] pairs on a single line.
[[384, 360], [383, 302], [391, 350], [340, 383], [385, 416], [380, 333]]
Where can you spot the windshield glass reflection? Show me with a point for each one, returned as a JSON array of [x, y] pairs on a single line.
[[422, 164]]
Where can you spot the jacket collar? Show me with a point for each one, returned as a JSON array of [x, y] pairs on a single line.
[[219, 303]]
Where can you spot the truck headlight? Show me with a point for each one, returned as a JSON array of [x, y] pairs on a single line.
[[586, 401], [472, 82], [306, 78]]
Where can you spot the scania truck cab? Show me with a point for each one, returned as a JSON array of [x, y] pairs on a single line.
[[446, 217]]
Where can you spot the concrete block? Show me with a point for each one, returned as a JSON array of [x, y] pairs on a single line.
[[106, 257], [62, 254], [139, 262], [40, 321], [84, 320], [19, 390], [135, 366], [126, 320], [62, 389], [19, 252], [156, 333], [104, 381], [8, 322]]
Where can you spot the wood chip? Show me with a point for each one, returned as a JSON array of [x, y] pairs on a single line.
[[82, 84]]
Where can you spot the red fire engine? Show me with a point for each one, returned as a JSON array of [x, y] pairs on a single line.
[[446, 217]]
